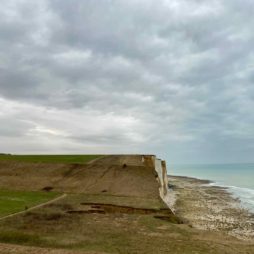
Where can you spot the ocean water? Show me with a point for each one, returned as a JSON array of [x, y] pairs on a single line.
[[238, 178]]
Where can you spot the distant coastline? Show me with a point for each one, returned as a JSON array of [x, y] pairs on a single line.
[[206, 206], [237, 178]]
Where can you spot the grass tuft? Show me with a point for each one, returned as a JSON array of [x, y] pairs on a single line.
[[17, 237]]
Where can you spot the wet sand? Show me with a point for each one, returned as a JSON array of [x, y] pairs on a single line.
[[209, 207]]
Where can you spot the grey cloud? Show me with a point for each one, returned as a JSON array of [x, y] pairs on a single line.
[[17, 84], [101, 139], [181, 74], [13, 128]]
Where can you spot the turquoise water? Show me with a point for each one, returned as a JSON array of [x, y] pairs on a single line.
[[238, 178]]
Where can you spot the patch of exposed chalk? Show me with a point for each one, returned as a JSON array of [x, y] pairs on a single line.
[[168, 196]]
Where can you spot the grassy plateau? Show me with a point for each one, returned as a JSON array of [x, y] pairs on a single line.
[[17, 201], [49, 158]]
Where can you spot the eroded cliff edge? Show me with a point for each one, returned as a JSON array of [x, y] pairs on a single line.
[[162, 178]]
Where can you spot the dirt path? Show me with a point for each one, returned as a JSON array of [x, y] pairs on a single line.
[[95, 160], [34, 207]]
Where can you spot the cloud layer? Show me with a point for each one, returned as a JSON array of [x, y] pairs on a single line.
[[174, 78]]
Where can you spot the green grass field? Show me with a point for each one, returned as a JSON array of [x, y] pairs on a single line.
[[16, 201], [50, 158]]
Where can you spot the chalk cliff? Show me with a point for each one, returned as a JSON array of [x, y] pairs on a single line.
[[162, 178]]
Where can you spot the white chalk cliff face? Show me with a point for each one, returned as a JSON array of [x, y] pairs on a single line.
[[160, 168]]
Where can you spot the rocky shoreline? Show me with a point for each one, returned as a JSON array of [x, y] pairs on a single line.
[[209, 207]]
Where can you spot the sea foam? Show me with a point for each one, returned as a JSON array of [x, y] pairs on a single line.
[[245, 195]]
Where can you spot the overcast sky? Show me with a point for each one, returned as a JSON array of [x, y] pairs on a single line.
[[168, 77]]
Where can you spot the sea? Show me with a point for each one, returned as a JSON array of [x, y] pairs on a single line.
[[237, 178]]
